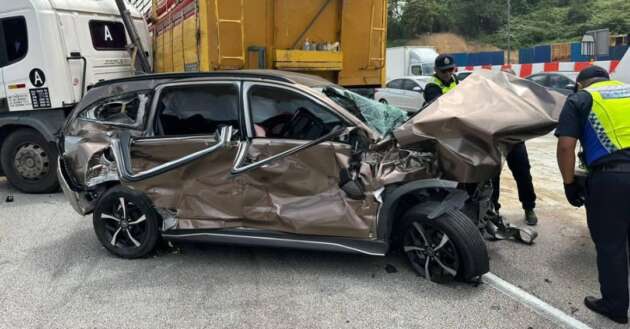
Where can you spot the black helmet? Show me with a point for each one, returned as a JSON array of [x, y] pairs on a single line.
[[444, 62], [593, 73]]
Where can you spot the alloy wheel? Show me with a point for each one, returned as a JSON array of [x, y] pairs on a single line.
[[125, 224], [431, 252]]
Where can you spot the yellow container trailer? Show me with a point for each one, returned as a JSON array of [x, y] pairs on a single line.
[[340, 40]]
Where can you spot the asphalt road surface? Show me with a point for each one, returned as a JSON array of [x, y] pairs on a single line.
[[55, 274]]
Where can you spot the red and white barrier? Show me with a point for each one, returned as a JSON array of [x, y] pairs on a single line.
[[525, 70]]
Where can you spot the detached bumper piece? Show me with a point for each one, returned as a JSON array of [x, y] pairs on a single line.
[[498, 229], [79, 200]]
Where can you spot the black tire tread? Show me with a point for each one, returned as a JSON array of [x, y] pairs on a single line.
[[478, 263], [142, 201], [49, 184], [470, 245]]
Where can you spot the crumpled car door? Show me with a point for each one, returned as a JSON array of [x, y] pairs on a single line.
[[291, 178], [184, 169], [200, 192]]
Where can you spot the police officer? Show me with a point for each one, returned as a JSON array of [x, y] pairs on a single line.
[[443, 80], [599, 116], [518, 162]]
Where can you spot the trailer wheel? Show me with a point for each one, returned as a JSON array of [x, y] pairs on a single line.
[[29, 162]]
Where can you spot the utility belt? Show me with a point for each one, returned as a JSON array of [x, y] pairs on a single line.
[[617, 167]]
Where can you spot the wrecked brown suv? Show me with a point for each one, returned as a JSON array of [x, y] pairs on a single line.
[[281, 159]]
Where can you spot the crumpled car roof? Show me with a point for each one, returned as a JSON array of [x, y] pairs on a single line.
[[472, 128]]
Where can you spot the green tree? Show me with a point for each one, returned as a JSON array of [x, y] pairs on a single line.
[[533, 21], [474, 17], [577, 14], [394, 27], [419, 16]]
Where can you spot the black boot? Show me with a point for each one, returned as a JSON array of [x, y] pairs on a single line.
[[597, 306], [530, 217]]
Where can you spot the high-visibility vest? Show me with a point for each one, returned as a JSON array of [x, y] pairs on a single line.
[[445, 89], [607, 129]]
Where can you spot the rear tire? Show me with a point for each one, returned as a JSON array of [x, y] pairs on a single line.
[[443, 249], [29, 162], [126, 223]]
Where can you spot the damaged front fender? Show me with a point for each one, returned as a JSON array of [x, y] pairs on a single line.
[[389, 211], [473, 127]]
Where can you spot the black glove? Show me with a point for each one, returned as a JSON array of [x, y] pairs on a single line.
[[574, 194]]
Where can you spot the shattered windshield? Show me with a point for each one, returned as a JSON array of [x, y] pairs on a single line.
[[378, 116]]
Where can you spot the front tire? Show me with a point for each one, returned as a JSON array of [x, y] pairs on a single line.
[[29, 162], [445, 248], [126, 223]]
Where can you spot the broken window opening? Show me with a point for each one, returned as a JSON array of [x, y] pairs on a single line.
[[197, 109], [126, 110], [280, 113], [383, 118]]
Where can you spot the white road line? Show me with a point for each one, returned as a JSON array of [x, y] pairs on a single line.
[[533, 302]]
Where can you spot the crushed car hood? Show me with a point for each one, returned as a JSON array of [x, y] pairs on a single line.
[[473, 127]]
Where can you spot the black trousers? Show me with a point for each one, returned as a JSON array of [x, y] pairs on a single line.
[[608, 217], [518, 162]]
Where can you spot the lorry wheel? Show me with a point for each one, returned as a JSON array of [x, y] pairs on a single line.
[[445, 248], [29, 162], [126, 223]]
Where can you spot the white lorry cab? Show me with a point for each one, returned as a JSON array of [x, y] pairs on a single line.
[[51, 53], [409, 61]]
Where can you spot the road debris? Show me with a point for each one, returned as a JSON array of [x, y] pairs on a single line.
[[389, 268]]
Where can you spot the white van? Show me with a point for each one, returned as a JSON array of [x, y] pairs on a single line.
[[51, 52], [410, 61]]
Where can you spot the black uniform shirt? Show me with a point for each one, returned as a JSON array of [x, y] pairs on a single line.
[[573, 119], [574, 115]]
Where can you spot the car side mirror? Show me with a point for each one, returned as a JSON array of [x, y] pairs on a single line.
[[571, 86], [417, 89]]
